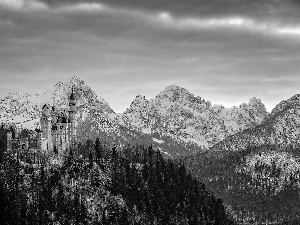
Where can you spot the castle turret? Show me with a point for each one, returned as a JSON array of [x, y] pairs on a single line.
[[39, 140], [46, 122], [9, 140], [26, 142], [72, 113]]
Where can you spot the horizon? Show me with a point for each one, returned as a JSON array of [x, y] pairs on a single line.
[[225, 52]]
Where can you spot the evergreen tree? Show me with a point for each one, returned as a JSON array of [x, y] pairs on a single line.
[[98, 148], [91, 160], [55, 150], [114, 153]]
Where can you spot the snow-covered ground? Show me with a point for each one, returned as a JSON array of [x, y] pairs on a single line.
[[284, 163]]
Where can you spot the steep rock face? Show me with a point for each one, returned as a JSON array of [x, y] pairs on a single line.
[[292, 102], [25, 109], [178, 113], [281, 127]]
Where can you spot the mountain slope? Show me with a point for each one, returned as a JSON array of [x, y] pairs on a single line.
[[280, 127], [259, 185], [25, 109], [177, 113]]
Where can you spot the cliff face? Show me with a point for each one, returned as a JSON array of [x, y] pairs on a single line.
[[280, 127], [178, 113], [25, 109]]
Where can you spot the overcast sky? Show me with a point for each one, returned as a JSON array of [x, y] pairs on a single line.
[[226, 51]]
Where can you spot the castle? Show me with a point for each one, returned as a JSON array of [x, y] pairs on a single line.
[[57, 131]]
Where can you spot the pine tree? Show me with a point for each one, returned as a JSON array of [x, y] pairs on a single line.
[[55, 150], [98, 148], [114, 153], [91, 161], [76, 208], [83, 213]]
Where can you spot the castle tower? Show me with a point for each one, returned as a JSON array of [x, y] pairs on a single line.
[[26, 141], [59, 132], [39, 140], [46, 122], [9, 140], [64, 132], [72, 117]]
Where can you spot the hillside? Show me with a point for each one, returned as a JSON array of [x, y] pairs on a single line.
[[257, 171], [133, 186], [259, 185]]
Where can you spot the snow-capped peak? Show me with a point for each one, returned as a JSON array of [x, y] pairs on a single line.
[[174, 93], [177, 112], [257, 103], [25, 108]]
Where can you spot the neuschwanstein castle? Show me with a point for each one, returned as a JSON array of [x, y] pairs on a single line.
[[57, 131]]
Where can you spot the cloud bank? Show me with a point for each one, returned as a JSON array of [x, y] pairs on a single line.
[[224, 51]]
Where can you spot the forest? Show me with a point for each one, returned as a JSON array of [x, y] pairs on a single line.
[[260, 184], [109, 185]]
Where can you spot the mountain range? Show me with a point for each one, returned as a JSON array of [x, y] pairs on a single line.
[[175, 121], [245, 155]]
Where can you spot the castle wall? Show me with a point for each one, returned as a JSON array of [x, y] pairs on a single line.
[[39, 141], [9, 141], [16, 144], [44, 144]]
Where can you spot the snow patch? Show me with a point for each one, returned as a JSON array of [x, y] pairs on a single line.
[[158, 141]]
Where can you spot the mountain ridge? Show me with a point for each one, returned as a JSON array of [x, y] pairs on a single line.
[[173, 115], [280, 127], [177, 112]]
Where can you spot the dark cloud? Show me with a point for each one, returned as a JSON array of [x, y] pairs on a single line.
[[131, 47], [257, 8]]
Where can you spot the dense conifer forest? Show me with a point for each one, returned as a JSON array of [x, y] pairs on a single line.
[[132, 185], [261, 184]]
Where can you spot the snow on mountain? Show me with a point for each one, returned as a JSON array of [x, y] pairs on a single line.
[[177, 113], [280, 127], [94, 116], [25, 109], [175, 117], [274, 166]]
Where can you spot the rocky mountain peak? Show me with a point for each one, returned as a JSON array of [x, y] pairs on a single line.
[[174, 95], [257, 103], [256, 106], [137, 104], [178, 113], [292, 102], [254, 101], [172, 87], [140, 98], [174, 92], [25, 108], [76, 80], [280, 127]]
